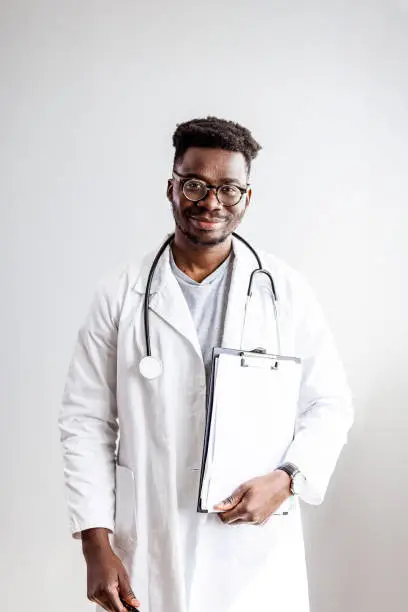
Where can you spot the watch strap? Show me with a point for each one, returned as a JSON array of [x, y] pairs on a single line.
[[291, 470]]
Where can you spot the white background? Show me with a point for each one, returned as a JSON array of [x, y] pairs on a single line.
[[91, 92]]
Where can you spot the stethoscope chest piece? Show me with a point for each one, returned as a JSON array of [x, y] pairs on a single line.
[[150, 367]]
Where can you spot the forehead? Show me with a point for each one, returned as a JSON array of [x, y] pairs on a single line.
[[213, 164]]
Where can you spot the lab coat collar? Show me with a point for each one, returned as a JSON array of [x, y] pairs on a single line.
[[244, 262], [167, 299], [161, 273]]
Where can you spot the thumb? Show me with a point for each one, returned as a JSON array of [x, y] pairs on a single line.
[[126, 593], [232, 500]]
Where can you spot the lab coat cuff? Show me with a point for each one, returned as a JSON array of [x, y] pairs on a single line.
[[78, 526], [314, 488]]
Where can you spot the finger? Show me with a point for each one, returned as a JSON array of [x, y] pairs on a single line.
[[129, 607], [231, 501], [248, 519], [113, 600], [126, 591], [238, 513], [98, 599], [103, 603], [130, 599], [239, 522]]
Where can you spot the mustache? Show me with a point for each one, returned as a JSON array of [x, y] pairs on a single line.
[[204, 215]]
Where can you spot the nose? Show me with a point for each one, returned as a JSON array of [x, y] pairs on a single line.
[[210, 201]]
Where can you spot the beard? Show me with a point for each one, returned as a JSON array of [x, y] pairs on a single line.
[[204, 238]]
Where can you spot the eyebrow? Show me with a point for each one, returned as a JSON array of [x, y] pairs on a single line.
[[223, 180]]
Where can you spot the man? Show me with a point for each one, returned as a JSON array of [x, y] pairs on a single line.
[[144, 490]]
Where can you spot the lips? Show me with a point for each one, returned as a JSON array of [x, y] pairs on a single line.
[[208, 219], [204, 223]]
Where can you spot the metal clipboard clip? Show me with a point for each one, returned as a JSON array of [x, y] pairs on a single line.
[[262, 363]]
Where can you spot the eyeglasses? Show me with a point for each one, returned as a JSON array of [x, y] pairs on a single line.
[[195, 190]]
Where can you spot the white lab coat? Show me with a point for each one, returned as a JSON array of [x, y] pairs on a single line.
[[179, 560]]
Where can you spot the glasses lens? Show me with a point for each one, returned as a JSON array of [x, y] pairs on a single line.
[[194, 189], [229, 195]]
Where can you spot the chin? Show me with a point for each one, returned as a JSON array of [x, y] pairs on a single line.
[[207, 238]]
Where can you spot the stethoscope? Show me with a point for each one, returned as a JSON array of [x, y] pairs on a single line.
[[151, 367]]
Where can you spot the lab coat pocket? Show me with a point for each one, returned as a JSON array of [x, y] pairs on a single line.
[[125, 519]]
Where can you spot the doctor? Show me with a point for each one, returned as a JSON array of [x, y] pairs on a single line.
[[132, 444]]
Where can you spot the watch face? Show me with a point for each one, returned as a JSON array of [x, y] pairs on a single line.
[[298, 482]]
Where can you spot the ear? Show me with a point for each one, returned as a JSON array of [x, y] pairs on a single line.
[[248, 197], [169, 189]]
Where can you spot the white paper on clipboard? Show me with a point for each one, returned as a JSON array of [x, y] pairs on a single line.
[[251, 422]]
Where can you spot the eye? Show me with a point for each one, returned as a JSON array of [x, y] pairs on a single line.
[[229, 189], [193, 185]]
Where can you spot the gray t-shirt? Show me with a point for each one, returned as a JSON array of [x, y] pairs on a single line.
[[208, 303]]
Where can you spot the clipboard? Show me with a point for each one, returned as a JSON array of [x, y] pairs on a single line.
[[246, 389]]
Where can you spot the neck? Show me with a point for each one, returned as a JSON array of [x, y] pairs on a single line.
[[199, 261]]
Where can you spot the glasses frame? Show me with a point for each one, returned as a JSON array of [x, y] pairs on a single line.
[[183, 179]]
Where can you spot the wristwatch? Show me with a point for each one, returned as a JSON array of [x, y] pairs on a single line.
[[297, 480]]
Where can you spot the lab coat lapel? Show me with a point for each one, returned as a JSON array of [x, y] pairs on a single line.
[[166, 298]]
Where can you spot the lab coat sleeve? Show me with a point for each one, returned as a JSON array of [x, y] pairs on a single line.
[[88, 419], [325, 410]]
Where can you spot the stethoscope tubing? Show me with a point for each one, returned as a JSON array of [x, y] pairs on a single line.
[[147, 293], [259, 270]]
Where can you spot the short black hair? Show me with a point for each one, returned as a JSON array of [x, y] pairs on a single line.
[[213, 132]]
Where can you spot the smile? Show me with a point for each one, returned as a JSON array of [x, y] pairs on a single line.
[[202, 223]]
